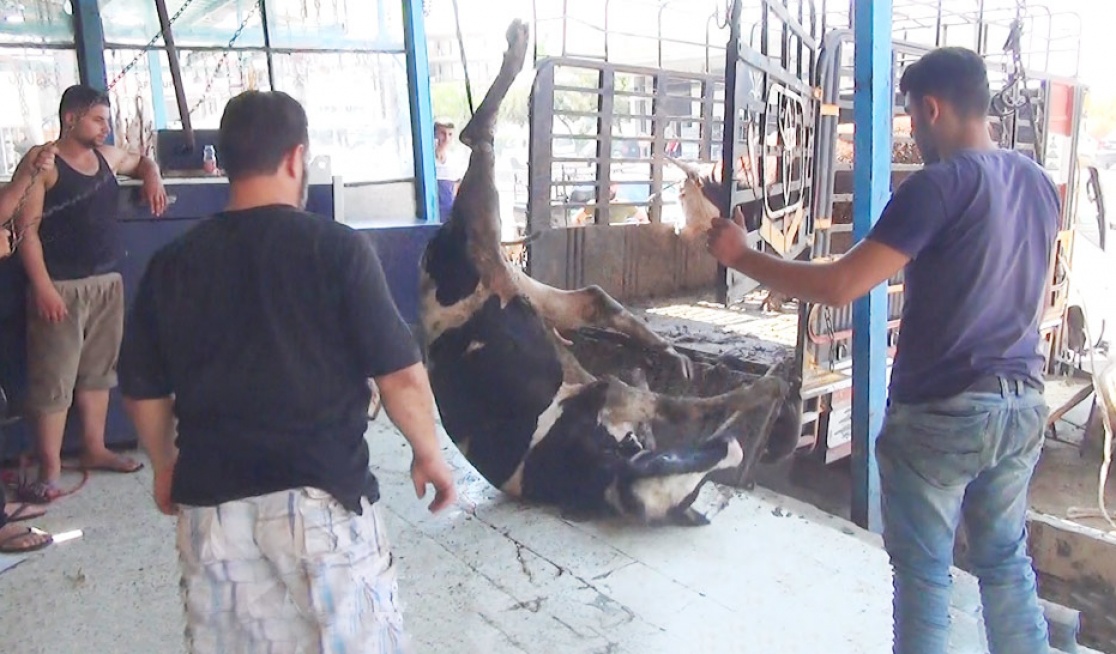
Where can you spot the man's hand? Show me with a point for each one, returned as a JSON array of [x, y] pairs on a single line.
[[142, 168], [432, 469], [727, 242], [155, 194], [164, 478], [49, 304], [40, 158]]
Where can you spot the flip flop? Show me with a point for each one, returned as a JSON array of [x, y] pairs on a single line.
[[6, 549], [24, 511], [40, 492], [120, 469]]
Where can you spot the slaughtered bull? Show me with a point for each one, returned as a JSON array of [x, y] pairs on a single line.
[[516, 401]]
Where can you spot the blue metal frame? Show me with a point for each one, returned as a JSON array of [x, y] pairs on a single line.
[[89, 42], [872, 113], [422, 110]]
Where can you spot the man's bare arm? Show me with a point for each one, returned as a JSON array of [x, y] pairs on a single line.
[[27, 226], [129, 164], [37, 163], [836, 283], [409, 403], [137, 166], [155, 425], [14, 191]]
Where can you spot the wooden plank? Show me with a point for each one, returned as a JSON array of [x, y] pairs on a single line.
[[1076, 567]]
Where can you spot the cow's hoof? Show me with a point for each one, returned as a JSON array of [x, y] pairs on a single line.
[[785, 430], [518, 34], [688, 517]]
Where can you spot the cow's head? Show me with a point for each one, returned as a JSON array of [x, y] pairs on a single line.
[[702, 198]]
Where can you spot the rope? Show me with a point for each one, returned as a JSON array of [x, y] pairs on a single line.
[[464, 62], [1103, 401]]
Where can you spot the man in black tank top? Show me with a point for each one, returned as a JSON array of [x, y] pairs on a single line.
[[75, 298]]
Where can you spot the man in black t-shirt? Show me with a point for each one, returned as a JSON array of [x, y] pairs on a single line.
[[258, 330]]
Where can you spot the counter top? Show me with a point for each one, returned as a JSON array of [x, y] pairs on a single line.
[[168, 180]]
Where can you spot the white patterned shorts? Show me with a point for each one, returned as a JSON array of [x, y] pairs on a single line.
[[292, 572]]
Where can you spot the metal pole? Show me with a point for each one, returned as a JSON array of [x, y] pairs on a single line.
[[422, 110], [176, 73], [265, 21], [872, 112]]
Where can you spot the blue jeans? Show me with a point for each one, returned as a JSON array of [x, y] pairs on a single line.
[[969, 457]]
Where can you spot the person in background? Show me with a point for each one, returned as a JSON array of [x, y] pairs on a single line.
[[71, 254], [966, 417], [14, 538], [446, 168], [280, 535]]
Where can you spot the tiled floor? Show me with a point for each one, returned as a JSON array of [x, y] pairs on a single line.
[[769, 576]]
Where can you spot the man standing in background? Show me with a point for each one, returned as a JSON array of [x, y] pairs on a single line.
[[70, 252], [446, 169]]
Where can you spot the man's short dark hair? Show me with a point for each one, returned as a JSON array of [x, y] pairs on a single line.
[[80, 98], [258, 129], [957, 76]]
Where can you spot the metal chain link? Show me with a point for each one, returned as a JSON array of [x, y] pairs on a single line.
[[827, 312], [1014, 96], [224, 57], [11, 223]]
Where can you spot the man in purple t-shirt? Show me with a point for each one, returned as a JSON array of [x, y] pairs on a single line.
[[975, 230]]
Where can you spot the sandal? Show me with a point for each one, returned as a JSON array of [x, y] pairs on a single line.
[[5, 548], [24, 511], [39, 492], [117, 463]]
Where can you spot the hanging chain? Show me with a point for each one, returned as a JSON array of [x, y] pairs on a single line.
[[224, 58], [832, 335], [11, 223], [1014, 96], [23, 104]]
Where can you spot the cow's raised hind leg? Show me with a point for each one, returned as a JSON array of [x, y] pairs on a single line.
[[592, 307], [477, 203]]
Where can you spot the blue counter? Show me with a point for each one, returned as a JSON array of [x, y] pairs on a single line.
[[400, 250]]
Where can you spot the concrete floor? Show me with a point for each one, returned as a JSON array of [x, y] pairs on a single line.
[[491, 576]]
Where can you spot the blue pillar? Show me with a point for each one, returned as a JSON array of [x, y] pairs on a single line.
[[158, 98], [422, 110], [89, 39], [872, 112]]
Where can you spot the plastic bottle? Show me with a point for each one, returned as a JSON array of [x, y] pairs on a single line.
[[209, 160]]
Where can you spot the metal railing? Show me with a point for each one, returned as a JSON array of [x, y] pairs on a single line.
[[599, 128]]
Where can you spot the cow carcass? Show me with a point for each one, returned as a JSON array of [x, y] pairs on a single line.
[[521, 408]]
